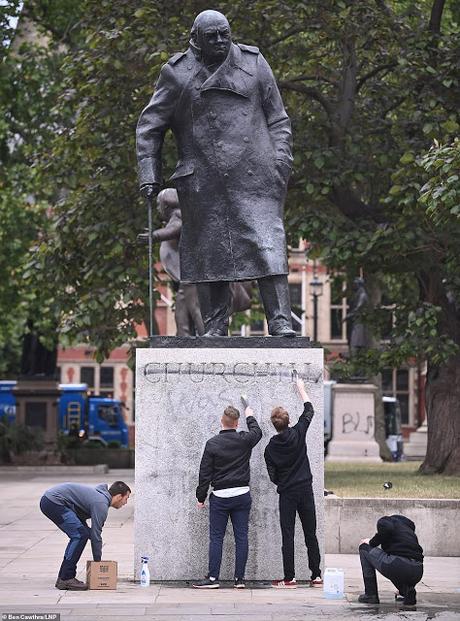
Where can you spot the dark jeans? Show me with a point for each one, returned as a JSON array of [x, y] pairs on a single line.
[[403, 572], [78, 532], [220, 509], [299, 500]]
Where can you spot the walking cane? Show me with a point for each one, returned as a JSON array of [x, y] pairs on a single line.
[[149, 201]]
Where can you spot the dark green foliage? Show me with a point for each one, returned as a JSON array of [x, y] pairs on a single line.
[[114, 444], [16, 439], [369, 85]]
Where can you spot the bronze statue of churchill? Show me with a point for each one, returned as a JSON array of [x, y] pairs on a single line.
[[234, 147]]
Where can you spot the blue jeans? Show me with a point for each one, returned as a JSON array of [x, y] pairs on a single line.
[[220, 509], [78, 532]]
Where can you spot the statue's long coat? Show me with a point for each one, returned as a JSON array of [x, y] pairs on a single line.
[[234, 146]]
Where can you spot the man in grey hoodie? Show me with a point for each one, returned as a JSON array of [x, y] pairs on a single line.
[[69, 505]]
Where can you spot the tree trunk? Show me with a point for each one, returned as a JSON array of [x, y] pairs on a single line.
[[375, 297], [442, 390], [436, 16], [443, 418], [379, 416]]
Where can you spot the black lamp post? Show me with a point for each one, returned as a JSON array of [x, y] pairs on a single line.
[[316, 290]]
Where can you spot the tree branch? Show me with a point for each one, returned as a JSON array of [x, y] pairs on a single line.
[[352, 206], [374, 72], [384, 7], [313, 78], [393, 106], [345, 108], [291, 85], [292, 31], [436, 16]]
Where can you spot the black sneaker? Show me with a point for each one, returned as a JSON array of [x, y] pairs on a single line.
[[239, 583], [364, 598], [410, 598], [207, 583]]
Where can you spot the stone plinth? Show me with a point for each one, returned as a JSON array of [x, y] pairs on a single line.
[[37, 405], [415, 447], [353, 424], [181, 393]]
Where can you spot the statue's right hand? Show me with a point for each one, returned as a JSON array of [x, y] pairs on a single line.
[[150, 190]]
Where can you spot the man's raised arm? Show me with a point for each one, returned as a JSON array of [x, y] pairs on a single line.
[[307, 414], [254, 431]]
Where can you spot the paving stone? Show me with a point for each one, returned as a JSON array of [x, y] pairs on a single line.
[[30, 558]]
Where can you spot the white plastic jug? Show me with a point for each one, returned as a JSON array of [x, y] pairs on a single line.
[[334, 582]]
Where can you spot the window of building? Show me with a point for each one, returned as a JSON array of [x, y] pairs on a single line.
[[257, 324], [338, 310], [257, 317], [396, 383], [106, 381], [87, 376], [295, 294]]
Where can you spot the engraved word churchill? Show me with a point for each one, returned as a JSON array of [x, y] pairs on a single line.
[[237, 373]]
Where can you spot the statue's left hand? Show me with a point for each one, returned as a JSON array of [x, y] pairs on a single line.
[[283, 172]]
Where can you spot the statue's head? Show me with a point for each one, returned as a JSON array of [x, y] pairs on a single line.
[[212, 36], [167, 202], [358, 283]]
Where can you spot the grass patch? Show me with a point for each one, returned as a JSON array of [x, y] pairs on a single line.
[[353, 479]]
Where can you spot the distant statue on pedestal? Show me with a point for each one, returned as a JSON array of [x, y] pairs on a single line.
[[36, 359], [358, 333]]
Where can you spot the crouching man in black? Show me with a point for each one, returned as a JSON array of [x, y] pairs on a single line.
[[400, 559], [288, 467], [225, 466]]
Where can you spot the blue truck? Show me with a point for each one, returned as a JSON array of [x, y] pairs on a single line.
[[91, 418]]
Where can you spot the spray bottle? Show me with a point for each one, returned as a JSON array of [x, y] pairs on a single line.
[[145, 573]]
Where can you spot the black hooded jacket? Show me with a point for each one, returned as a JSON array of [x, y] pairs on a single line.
[[396, 535], [286, 454]]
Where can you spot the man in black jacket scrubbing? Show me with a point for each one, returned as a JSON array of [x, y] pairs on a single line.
[[399, 558], [288, 467], [225, 466]]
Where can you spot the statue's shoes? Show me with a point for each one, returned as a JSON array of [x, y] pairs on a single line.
[[215, 332], [285, 331]]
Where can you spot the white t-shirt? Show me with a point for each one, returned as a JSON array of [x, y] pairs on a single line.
[[231, 492]]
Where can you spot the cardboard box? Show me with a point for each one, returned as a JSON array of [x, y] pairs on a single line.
[[101, 575]]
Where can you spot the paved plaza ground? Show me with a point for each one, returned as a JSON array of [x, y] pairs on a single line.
[[31, 549]]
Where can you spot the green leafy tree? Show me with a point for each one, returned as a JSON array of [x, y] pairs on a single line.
[[440, 197], [368, 86], [29, 84]]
